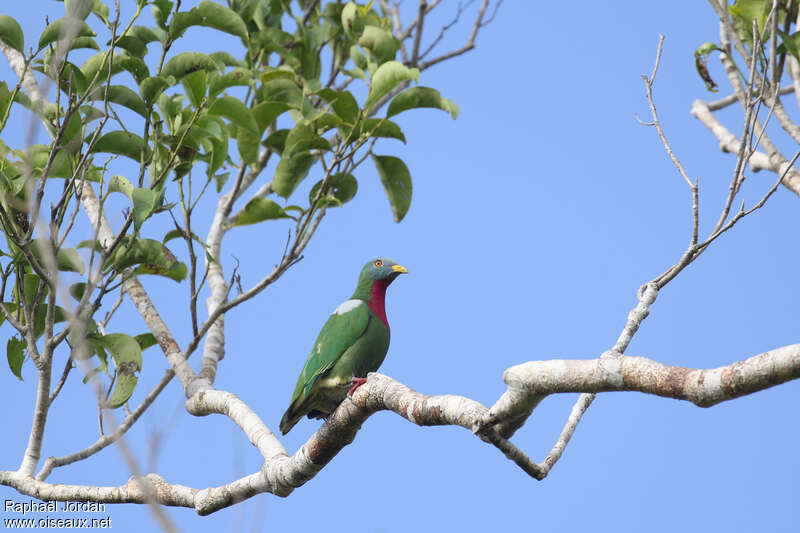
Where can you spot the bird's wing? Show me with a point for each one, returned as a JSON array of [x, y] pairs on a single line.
[[342, 329]]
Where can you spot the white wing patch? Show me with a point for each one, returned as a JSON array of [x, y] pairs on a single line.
[[349, 305]]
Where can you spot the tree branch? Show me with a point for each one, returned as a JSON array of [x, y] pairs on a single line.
[[731, 144], [281, 474], [105, 440], [703, 388]]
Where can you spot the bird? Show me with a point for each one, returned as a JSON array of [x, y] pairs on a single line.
[[352, 343]]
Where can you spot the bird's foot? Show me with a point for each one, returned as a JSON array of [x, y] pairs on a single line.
[[357, 382]]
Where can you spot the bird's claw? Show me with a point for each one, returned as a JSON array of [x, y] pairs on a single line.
[[357, 382]]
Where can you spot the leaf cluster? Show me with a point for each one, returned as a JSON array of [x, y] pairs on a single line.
[[185, 122]]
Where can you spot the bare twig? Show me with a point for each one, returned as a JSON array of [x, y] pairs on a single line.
[[648, 83], [119, 430], [423, 6]]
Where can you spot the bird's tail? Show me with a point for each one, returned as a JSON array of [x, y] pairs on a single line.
[[291, 417]]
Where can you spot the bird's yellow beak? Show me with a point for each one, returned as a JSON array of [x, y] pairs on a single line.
[[400, 269]]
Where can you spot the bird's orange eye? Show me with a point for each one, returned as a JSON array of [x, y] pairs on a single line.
[[378, 263]]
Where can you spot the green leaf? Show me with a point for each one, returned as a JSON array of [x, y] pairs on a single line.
[[60, 27], [60, 315], [327, 121], [271, 74], [182, 21], [258, 210], [396, 182], [343, 103], [238, 77], [89, 244], [789, 43], [79, 9], [355, 72], [177, 272], [146, 340], [71, 78], [380, 42], [351, 21], [38, 155], [221, 179], [133, 45], [144, 203], [380, 127], [282, 90], [39, 317], [101, 10], [277, 140], [211, 15], [90, 114], [186, 63], [119, 94], [137, 68], [121, 184], [91, 67], [161, 10], [11, 33], [358, 57], [31, 285], [151, 88], [417, 97], [15, 352], [72, 139], [290, 172], [176, 233], [128, 361], [225, 59], [144, 34], [386, 78], [152, 256], [219, 17], [211, 127], [341, 188], [302, 139], [76, 290], [747, 10], [170, 107], [235, 111], [265, 113], [172, 234], [5, 99], [195, 86], [67, 259], [122, 143], [84, 42], [247, 142], [219, 153]]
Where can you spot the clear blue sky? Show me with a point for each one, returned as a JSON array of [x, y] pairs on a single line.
[[536, 216]]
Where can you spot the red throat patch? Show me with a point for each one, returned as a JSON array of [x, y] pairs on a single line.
[[378, 300]]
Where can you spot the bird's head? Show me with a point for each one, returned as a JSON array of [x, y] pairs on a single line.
[[382, 269]]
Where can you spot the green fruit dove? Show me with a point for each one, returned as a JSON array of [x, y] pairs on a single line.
[[352, 343]]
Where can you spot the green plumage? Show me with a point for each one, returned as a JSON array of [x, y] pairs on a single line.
[[352, 343]]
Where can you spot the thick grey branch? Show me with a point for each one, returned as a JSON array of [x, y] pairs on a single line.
[[625, 373], [282, 473]]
